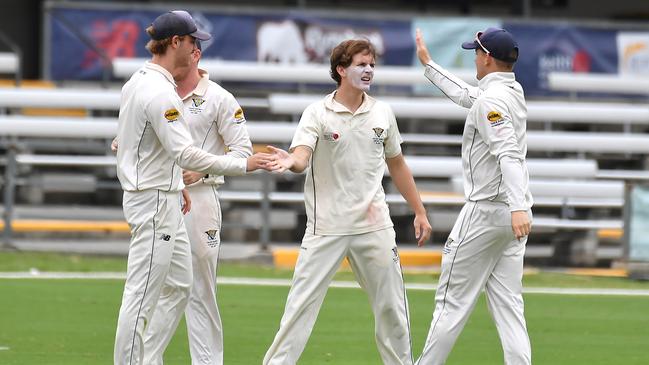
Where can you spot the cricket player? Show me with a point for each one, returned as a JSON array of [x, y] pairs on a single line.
[[486, 246], [216, 123], [154, 145], [344, 142]]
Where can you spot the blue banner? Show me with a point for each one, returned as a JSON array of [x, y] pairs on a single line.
[[287, 38], [561, 48]]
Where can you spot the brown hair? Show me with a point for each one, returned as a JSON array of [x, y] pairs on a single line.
[[343, 53], [159, 47]]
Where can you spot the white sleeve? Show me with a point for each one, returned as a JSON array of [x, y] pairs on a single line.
[[513, 171], [308, 130], [195, 159], [163, 113], [231, 125], [452, 86], [494, 123]]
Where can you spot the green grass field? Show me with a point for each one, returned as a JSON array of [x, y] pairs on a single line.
[[73, 322]]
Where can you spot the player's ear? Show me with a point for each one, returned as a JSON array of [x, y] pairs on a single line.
[[341, 71]]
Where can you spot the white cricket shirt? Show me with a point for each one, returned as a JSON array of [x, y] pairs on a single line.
[[343, 194], [154, 140], [216, 123], [494, 135]]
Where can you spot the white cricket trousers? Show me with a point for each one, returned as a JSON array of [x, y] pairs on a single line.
[[202, 314], [375, 261], [159, 264], [481, 253]]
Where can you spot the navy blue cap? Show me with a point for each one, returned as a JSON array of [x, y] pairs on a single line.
[[177, 22], [499, 43]]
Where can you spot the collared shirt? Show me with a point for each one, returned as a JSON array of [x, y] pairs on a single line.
[[495, 128], [216, 122], [343, 193], [154, 140]]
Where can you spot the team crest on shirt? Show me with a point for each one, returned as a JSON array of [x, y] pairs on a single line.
[[197, 102], [212, 237], [238, 116], [196, 106], [171, 115], [447, 246], [395, 254], [378, 135], [331, 136], [495, 118]]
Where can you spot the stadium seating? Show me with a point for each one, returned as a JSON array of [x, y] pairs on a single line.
[[441, 108], [572, 194], [302, 73], [8, 63], [598, 83]]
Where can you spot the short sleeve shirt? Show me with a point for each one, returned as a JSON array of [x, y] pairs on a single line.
[[343, 192]]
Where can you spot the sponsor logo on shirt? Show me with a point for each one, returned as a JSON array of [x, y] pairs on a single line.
[[171, 115], [165, 237], [495, 118], [238, 116], [212, 237], [331, 136], [197, 106], [378, 132]]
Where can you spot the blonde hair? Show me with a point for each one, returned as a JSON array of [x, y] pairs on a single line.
[[159, 47]]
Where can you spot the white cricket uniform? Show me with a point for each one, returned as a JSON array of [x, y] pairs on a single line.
[[347, 216], [481, 251], [154, 144], [217, 124]]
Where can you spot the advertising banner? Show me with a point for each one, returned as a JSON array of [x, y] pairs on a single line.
[[444, 38], [561, 48], [82, 40], [633, 53]]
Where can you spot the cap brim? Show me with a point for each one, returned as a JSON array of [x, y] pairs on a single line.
[[200, 35], [470, 45]]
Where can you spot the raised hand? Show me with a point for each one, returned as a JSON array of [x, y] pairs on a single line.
[[422, 51]]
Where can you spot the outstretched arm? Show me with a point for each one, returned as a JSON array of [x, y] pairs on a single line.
[[452, 86], [403, 180], [296, 161]]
